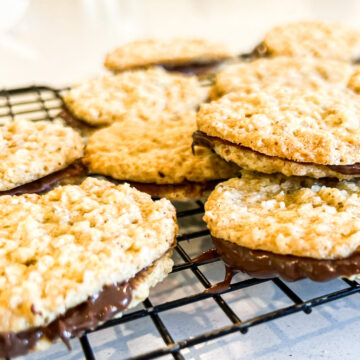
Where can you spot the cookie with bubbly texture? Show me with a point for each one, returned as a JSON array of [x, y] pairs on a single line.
[[141, 93], [319, 127], [65, 251], [32, 150], [254, 76], [168, 52], [312, 38], [156, 153], [287, 215]]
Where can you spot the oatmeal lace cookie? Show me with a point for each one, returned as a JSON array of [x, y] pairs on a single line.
[[32, 150], [317, 131], [76, 257], [163, 159], [254, 76], [173, 54], [142, 93], [292, 227], [311, 38]]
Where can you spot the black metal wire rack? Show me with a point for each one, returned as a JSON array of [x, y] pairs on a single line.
[[41, 102]]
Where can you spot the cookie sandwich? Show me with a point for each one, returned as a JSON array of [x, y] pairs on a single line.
[[311, 38], [256, 75], [156, 157], [288, 130], [142, 93], [188, 56], [76, 257], [36, 156], [292, 227]]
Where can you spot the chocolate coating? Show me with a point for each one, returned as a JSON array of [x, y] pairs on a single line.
[[98, 308], [192, 68], [202, 139], [48, 182], [74, 122], [263, 264]]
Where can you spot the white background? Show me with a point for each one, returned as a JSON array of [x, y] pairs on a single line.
[[59, 42]]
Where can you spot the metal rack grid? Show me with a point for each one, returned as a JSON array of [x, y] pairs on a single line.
[[41, 102]]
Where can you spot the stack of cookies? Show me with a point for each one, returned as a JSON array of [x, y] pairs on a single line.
[[290, 118]]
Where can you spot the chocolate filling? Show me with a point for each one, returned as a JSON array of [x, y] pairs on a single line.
[[192, 189], [258, 52], [192, 68], [264, 264], [48, 182], [98, 308], [73, 121], [202, 139]]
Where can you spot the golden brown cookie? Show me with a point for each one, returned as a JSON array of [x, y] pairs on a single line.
[[312, 38], [287, 215], [156, 153], [32, 150], [171, 53], [76, 257], [254, 76], [143, 93], [312, 129]]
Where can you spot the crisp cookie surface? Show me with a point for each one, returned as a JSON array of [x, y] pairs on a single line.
[[312, 73], [176, 51], [163, 156], [141, 93], [298, 216], [250, 160], [59, 248], [320, 126], [31, 150], [312, 38]]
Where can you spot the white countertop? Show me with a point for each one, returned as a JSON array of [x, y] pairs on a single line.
[[58, 43]]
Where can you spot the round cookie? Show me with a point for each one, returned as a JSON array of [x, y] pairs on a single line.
[[311, 73], [76, 257], [142, 93], [312, 38], [162, 157], [32, 150], [287, 215], [171, 53], [299, 125]]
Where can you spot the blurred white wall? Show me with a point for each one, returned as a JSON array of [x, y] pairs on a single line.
[[59, 42]]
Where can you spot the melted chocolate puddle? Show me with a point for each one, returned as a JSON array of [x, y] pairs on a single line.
[[206, 256], [202, 139], [223, 285]]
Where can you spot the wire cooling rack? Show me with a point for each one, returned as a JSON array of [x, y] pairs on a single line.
[[41, 102]]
